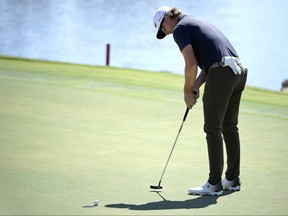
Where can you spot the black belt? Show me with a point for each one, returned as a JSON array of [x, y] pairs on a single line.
[[221, 64], [216, 64]]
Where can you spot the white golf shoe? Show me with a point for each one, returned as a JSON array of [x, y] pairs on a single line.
[[207, 190], [233, 185]]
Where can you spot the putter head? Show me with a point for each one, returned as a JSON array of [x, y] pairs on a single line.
[[156, 187]]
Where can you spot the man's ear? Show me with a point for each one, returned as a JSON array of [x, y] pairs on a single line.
[[166, 17]]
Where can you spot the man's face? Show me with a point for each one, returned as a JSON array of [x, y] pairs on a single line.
[[167, 25]]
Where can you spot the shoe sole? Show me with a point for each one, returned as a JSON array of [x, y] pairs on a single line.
[[206, 194], [236, 188]]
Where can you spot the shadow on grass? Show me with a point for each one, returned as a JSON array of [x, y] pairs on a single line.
[[89, 206], [196, 203]]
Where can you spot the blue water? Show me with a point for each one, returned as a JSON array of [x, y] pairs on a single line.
[[77, 31]]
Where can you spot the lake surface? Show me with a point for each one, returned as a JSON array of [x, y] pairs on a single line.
[[77, 31]]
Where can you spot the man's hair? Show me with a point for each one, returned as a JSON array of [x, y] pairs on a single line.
[[174, 12]]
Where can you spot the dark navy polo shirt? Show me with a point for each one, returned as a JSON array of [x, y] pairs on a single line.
[[208, 42]]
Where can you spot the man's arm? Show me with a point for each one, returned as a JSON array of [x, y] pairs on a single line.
[[199, 82], [190, 75]]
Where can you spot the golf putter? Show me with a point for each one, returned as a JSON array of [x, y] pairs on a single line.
[[158, 187]]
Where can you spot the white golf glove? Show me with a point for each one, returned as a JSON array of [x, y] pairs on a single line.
[[232, 63]]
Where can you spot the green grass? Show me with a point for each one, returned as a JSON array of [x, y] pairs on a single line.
[[70, 134]]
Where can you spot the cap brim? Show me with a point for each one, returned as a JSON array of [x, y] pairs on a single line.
[[160, 34]]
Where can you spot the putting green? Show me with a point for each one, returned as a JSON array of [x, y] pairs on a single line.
[[71, 134]]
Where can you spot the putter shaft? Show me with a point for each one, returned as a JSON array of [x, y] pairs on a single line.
[[184, 118]]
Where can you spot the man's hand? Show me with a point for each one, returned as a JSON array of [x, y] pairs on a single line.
[[190, 99]]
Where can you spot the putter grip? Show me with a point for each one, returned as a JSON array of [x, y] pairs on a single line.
[[186, 113]]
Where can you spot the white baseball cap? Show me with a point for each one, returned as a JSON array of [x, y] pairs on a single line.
[[158, 18]]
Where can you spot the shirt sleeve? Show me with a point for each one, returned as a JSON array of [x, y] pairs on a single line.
[[181, 37]]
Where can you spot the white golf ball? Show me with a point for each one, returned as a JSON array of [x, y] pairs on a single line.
[[96, 202]]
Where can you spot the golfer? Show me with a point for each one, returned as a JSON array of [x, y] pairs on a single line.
[[204, 46]]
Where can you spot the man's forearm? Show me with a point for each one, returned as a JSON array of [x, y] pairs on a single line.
[[190, 79], [200, 80]]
